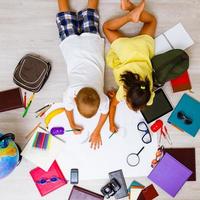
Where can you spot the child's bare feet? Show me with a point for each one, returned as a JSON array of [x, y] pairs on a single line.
[[134, 15], [126, 5]]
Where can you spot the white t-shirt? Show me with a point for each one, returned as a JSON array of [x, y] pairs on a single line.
[[84, 56]]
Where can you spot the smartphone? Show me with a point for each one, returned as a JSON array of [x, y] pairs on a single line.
[[74, 176]]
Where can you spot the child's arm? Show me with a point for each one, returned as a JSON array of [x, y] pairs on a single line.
[[95, 138], [113, 105], [70, 116]]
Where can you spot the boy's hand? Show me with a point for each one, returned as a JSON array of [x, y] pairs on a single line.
[[77, 129], [113, 128], [95, 140]]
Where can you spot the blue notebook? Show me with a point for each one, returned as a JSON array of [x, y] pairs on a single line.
[[186, 115]]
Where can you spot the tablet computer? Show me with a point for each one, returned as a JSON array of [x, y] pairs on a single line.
[[160, 107]]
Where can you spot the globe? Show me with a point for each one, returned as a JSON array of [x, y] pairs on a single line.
[[9, 156]]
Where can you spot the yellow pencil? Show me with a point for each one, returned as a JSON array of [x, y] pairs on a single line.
[[31, 98]]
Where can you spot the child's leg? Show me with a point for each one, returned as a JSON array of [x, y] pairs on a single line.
[[63, 5], [89, 18], [148, 19], [66, 20], [93, 4], [111, 27]]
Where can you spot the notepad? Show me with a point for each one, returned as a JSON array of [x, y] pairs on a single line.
[[11, 99], [175, 38], [39, 157], [49, 181], [170, 175], [191, 108]]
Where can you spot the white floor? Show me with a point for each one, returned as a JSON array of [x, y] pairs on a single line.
[[29, 26]]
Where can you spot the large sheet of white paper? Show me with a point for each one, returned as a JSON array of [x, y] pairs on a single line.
[[42, 158], [96, 164]]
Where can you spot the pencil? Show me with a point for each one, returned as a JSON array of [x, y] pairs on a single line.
[[31, 98], [24, 99], [31, 133], [42, 108], [27, 108]]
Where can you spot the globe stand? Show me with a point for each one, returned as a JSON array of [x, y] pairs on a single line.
[[20, 157]]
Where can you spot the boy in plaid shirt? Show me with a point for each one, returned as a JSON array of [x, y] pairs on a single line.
[[83, 51]]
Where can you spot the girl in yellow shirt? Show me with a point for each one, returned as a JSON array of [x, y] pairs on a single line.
[[129, 57]]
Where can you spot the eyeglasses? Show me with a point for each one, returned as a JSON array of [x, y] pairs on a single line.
[[53, 179], [159, 155], [181, 115], [146, 138]]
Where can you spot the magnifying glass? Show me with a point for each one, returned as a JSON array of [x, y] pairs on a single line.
[[133, 159]]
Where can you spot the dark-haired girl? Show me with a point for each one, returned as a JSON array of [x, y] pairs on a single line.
[[129, 57]]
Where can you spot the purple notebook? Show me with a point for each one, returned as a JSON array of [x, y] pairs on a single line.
[[170, 175]]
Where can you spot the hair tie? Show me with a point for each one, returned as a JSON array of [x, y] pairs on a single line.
[[142, 87]]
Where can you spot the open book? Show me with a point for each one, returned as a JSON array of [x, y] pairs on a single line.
[[175, 38]]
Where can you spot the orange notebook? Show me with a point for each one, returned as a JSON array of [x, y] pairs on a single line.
[[181, 83]]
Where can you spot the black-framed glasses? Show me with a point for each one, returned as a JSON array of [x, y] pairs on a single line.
[[43, 181], [146, 137], [182, 116]]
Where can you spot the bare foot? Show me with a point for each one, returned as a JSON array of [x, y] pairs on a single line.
[[126, 5], [136, 12]]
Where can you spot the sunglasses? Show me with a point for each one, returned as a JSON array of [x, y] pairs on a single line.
[[43, 181], [159, 155], [146, 138], [181, 115]]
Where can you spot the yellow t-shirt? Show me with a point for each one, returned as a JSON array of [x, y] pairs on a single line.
[[134, 55]]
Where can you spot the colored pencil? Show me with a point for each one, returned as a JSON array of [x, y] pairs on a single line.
[[42, 108], [33, 131], [28, 106], [31, 99], [24, 99]]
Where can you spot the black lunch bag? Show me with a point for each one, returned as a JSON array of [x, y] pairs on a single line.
[[32, 72]]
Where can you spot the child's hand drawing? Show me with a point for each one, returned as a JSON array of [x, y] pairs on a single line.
[[95, 140]]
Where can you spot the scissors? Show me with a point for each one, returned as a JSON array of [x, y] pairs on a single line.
[[158, 125]]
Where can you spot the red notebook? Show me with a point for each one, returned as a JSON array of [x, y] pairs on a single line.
[[181, 83], [49, 181]]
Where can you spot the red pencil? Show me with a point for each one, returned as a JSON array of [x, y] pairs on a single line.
[[24, 99]]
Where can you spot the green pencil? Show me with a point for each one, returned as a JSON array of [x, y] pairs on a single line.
[[26, 110]]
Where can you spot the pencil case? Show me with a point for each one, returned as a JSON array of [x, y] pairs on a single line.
[[32, 72]]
